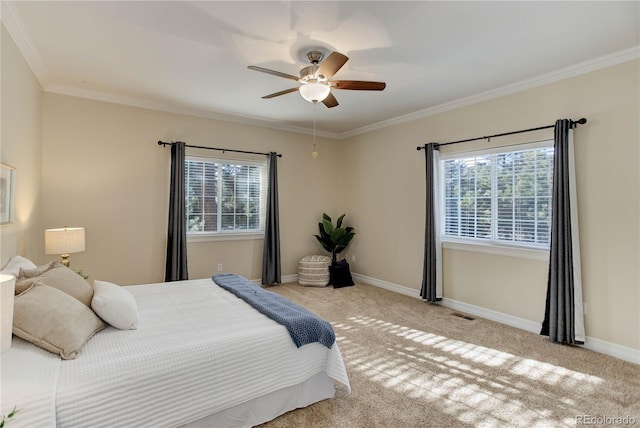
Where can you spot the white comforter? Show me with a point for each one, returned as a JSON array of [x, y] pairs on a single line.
[[197, 350]]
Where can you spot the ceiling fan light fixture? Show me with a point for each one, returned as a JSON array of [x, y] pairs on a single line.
[[317, 79], [314, 92]]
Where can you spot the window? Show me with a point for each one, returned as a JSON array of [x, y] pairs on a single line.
[[499, 197], [224, 196]]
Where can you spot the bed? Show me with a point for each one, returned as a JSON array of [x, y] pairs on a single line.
[[200, 356]]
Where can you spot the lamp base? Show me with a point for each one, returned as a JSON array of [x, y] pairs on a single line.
[[64, 259]]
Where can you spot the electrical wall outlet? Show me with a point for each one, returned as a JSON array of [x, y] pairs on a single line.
[[219, 267], [353, 258]]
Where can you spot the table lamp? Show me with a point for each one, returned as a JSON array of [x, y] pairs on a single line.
[[64, 241]]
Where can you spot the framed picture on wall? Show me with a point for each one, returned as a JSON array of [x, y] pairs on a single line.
[[7, 191]]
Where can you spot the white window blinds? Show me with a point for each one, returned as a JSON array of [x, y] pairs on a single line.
[[503, 197], [225, 196]]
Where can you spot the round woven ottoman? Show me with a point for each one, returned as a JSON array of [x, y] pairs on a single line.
[[313, 271]]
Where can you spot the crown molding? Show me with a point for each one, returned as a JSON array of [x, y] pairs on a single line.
[[13, 23], [178, 109], [564, 73]]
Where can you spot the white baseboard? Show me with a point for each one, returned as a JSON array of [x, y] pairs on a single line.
[[411, 292], [284, 279], [612, 349], [521, 323], [290, 278]]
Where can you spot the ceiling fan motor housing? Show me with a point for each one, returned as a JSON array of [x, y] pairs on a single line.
[[315, 57], [308, 74]]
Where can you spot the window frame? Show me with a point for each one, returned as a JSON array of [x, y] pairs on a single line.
[[490, 246], [236, 234]]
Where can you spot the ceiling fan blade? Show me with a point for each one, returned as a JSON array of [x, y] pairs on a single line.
[[275, 73], [330, 101], [277, 94], [358, 85], [332, 64]]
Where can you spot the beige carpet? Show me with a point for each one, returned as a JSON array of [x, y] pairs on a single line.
[[413, 364]]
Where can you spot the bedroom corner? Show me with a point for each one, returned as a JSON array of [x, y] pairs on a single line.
[[21, 147]]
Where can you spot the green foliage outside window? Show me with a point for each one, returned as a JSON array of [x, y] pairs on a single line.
[[504, 197], [223, 196]]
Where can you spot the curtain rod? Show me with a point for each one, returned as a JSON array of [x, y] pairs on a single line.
[[572, 123], [162, 143]]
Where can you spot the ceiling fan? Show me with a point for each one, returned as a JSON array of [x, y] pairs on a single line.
[[316, 79]]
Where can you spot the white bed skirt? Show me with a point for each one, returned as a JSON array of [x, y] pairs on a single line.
[[270, 406]]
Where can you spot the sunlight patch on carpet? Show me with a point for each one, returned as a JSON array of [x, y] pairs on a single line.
[[476, 384]]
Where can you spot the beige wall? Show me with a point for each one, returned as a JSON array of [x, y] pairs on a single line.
[[21, 147], [385, 193], [104, 170]]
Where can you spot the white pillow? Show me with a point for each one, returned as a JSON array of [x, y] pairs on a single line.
[[115, 305], [17, 263]]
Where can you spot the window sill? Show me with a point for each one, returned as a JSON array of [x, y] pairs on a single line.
[[501, 250], [213, 237]]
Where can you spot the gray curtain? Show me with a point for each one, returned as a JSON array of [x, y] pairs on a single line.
[[430, 274], [560, 310], [176, 259], [271, 271]]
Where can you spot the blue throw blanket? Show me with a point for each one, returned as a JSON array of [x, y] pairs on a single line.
[[304, 326]]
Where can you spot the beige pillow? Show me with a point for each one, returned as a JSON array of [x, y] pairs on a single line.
[[36, 271], [64, 279], [24, 279], [53, 320]]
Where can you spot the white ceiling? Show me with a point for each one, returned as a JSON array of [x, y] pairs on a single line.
[[192, 56]]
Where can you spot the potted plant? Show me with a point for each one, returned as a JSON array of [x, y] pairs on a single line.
[[335, 239], [6, 419]]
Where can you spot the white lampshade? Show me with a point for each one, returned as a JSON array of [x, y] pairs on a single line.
[[64, 241], [314, 92], [7, 287]]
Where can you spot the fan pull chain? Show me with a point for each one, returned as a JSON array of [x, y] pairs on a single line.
[[314, 154]]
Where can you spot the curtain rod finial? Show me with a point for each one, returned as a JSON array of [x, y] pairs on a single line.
[[575, 123]]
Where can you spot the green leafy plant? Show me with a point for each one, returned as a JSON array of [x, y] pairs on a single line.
[[5, 419], [79, 272], [334, 239]]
